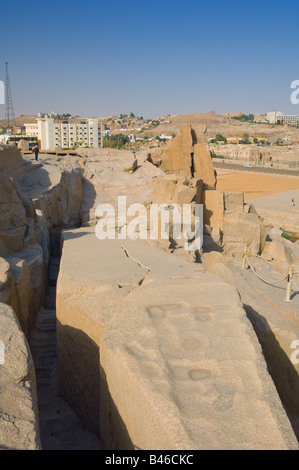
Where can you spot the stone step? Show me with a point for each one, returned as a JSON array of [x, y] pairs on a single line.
[[50, 302], [44, 352], [43, 318], [54, 262], [51, 291], [46, 380], [45, 362], [60, 427], [43, 339], [48, 326], [47, 311], [53, 272]]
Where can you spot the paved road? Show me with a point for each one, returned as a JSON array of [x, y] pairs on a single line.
[[256, 169], [280, 202]]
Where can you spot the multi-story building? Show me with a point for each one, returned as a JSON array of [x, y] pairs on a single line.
[[66, 134], [290, 119], [271, 117], [274, 117], [31, 129]]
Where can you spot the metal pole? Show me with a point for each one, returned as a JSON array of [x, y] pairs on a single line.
[[289, 285], [244, 264], [6, 94]]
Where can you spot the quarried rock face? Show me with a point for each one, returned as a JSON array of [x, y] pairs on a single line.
[[203, 165], [153, 358], [19, 427], [12, 217], [190, 156], [11, 162], [213, 208], [23, 145], [240, 229], [7, 288]]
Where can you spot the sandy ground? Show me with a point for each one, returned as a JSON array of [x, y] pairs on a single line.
[[280, 202], [255, 185]]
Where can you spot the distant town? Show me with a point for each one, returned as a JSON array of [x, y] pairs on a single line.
[[269, 139]]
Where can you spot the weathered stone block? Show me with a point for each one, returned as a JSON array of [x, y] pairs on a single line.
[[240, 229], [19, 427], [213, 208], [233, 202]]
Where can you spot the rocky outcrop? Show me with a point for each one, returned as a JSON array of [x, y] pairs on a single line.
[[19, 426], [138, 328], [12, 217], [23, 145], [61, 203], [243, 229], [11, 162], [153, 359], [7, 287], [189, 155], [276, 250]]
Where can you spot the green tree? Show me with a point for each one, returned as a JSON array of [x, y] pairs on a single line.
[[246, 138], [220, 138]]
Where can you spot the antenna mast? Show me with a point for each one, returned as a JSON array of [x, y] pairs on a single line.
[[9, 111]]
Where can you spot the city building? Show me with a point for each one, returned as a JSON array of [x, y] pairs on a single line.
[[259, 117], [290, 119], [31, 129], [274, 117], [65, 134], [271, 117]]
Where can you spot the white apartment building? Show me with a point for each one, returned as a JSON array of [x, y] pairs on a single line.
[[274, 117], [46, 133], [31, 129], [290, 119], [65, 135], [271, 117]]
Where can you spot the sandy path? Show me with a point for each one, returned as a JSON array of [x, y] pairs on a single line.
[[255, 185]]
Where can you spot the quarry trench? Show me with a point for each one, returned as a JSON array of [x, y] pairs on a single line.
[[60, 427]]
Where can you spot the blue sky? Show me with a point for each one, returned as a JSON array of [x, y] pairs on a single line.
[[97, 58]]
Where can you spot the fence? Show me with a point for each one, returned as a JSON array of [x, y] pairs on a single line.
[[289, 277]]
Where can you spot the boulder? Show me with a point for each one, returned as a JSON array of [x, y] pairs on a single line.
[[19, 426], [190, 156], [213, 208], [203, 165], [23, 145], [233, 202], [7, 288], [184, 195], [277, 251], [249, 208], [11, 162], [12, 217], [130, 165], [29, 273], [240, 229], [24, 294], [177, 156]]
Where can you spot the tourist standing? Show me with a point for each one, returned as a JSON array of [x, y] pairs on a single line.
[[36, 150]]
